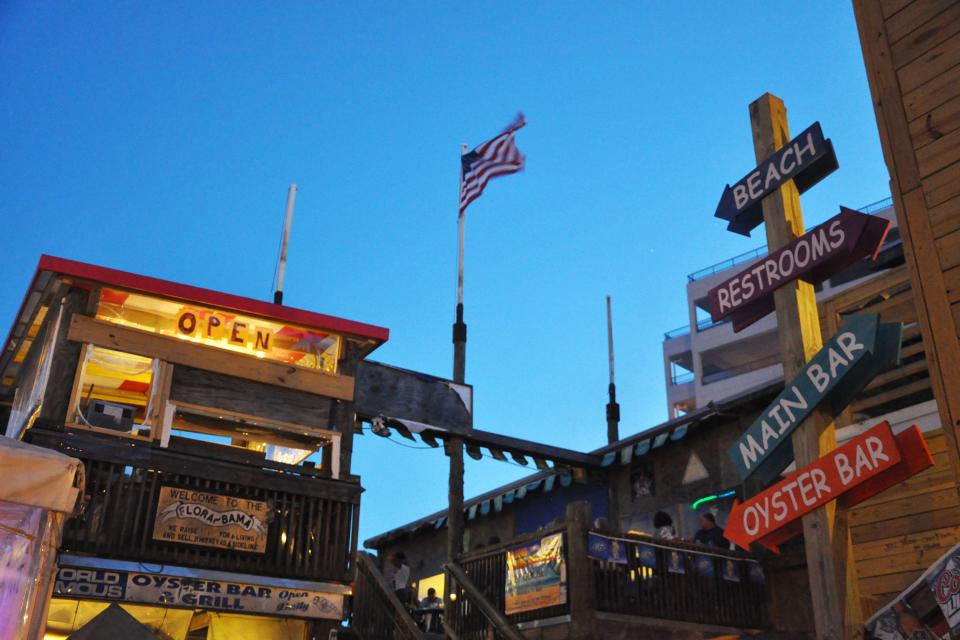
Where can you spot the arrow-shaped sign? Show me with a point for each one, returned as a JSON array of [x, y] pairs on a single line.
[[806, 160], [852, 473], [857, 342], [813, 486], [815, 256], [885, 353]]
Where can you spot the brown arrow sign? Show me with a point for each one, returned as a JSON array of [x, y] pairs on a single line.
[[818, 254]]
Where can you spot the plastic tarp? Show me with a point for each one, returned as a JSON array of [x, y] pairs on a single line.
[[231, 626], [38, 477]]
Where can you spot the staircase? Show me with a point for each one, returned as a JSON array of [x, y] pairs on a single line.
[[379, 615], [377, 612]]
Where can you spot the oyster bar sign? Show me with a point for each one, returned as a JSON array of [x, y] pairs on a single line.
[[192, 592], [212, 520]]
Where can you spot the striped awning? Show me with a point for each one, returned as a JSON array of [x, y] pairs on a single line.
[[626, 453]]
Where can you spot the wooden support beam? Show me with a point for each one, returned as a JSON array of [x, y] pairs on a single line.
[[833, 585], [111, 336]]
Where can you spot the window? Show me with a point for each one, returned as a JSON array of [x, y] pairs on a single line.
[[113, 391]]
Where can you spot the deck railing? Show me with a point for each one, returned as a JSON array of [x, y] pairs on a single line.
[[681, 581], [473, 615], [487, 569], [311, 522], [646, 577]]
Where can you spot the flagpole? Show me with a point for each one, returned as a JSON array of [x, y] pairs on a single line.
[[287, 221], [459, 327], [613, 409], [454, 445]]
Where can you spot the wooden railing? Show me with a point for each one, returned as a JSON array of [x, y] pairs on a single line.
[[311, 523], [472, 615], [727, 591], [487, 569], [377, 612], [715, 587]]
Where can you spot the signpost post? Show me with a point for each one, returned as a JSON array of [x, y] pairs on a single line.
[[833, 583]]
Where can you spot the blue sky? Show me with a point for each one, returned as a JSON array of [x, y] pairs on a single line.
[[160, 138]]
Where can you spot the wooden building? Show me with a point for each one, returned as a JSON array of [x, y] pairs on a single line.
[[681, 468], [911, 49], [216, 434]]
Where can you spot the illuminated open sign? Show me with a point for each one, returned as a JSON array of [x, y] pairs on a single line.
[[261, 337]]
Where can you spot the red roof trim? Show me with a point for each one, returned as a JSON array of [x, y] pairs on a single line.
[[146, 284]]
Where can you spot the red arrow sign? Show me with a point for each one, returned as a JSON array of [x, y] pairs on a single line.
[[763, 517], [915, 456]]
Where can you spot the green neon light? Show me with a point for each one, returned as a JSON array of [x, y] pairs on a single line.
[[702, 500], [725, 494]]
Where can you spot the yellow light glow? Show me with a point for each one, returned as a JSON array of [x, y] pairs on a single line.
[[313, 348]]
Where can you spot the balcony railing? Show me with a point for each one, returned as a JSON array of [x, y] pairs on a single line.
[[311, 522], [652, 578], [681, 581]]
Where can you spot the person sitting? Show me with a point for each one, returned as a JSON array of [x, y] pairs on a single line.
[[431, 601], [710, 534], [429, 612]]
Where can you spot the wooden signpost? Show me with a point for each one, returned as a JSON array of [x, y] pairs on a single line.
[[819, 381], [833, 586], [820, 253], [803, 161]]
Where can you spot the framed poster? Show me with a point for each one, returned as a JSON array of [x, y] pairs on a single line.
[[641, 481], [211, 520], [536, 575]]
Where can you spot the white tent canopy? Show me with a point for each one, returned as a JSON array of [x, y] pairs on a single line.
[[38, 477]]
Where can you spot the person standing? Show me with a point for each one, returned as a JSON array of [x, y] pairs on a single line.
[[398, 577], [710, 534]]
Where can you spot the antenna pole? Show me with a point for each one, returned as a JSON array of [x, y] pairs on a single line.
[[613, 409], [288, 221]]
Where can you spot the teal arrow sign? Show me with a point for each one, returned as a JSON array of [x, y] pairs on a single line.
[[860, 350]]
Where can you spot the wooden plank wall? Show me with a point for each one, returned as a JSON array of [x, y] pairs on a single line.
[[911, 50], [900, 532]]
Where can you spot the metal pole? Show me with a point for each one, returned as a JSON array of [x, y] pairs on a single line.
[[454, 445], [288, 221], [613, 409]]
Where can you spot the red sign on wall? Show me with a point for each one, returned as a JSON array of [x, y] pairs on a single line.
[[875, 459]]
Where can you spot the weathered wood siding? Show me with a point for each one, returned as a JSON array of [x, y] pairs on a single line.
[[900, 532], [911, 49]]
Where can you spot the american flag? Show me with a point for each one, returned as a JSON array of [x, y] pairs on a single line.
[[498, 156]]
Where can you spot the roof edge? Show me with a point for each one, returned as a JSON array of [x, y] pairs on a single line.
[[147, 284]]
